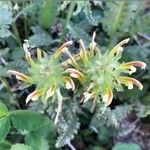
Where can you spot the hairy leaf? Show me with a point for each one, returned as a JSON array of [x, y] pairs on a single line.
[[40, 38], [119, 17], [20, 147], [5, 22]]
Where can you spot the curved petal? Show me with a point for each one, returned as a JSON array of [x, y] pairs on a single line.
[[69, 83], [62, 48], [92, 45], [107, 97], [83, 51], [19, 76], [75, 73], [118, 47], [128, 81], [87, 96], [50, 92], [140, 64], [34, 96], [28, 57]]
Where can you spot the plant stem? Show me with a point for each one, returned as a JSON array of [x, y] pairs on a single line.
[[25, 21], [60, 98], [16, 33], [71, 8], [71, 146], [26, 26], [14, 26]]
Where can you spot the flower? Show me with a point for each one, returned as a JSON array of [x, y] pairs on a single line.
[[103, 73], [47, 73]]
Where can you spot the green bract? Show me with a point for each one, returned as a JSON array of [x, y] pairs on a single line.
[[47, 73]]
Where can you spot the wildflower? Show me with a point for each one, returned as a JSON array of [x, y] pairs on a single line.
[[46, 73], [103, 73]]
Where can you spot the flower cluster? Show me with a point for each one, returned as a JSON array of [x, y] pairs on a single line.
[[103, 73], [46, 73], [100, 74]]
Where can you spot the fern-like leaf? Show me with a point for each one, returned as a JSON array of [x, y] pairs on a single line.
[[5, 22]]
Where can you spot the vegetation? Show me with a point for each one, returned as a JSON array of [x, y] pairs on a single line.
[[70, 75]]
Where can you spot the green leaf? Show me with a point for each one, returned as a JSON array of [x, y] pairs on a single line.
[[27, 121], [119, 17], [4, 145], [20, 147], [5, 21], [78, 33], [4, 127], [91, 15], [36, 141], [124, 146], [3, 110], [40, 38], [4, 51], [48, 13], [46, 128]]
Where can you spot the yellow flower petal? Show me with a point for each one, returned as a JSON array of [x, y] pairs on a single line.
[[87, 96], [83, 51], [34, 96], [19, 76], [50, 92], [28, 57], [107, 97], [39, 53], [62, 48], [90, 86], [69, 83], [118, 47], [128, 81], [75, 73], [140, 64], [72, 59], [92, 45]]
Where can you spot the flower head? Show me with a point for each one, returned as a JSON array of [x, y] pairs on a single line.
[[103, 73], [45, 72]]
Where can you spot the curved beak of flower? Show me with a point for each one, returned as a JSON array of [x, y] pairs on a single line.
[[129, 82], [62, 48], [75, 74], [27, 53], [28, 57], [131, 66], [34, 96], [40, 54], [69, 83], [19, 76], [83, 53], [118, 47], [107, 97], [92, 45], [88, 96], [50, 92]]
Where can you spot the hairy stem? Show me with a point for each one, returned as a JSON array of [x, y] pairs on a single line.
[[71, 146], [60, 98]]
